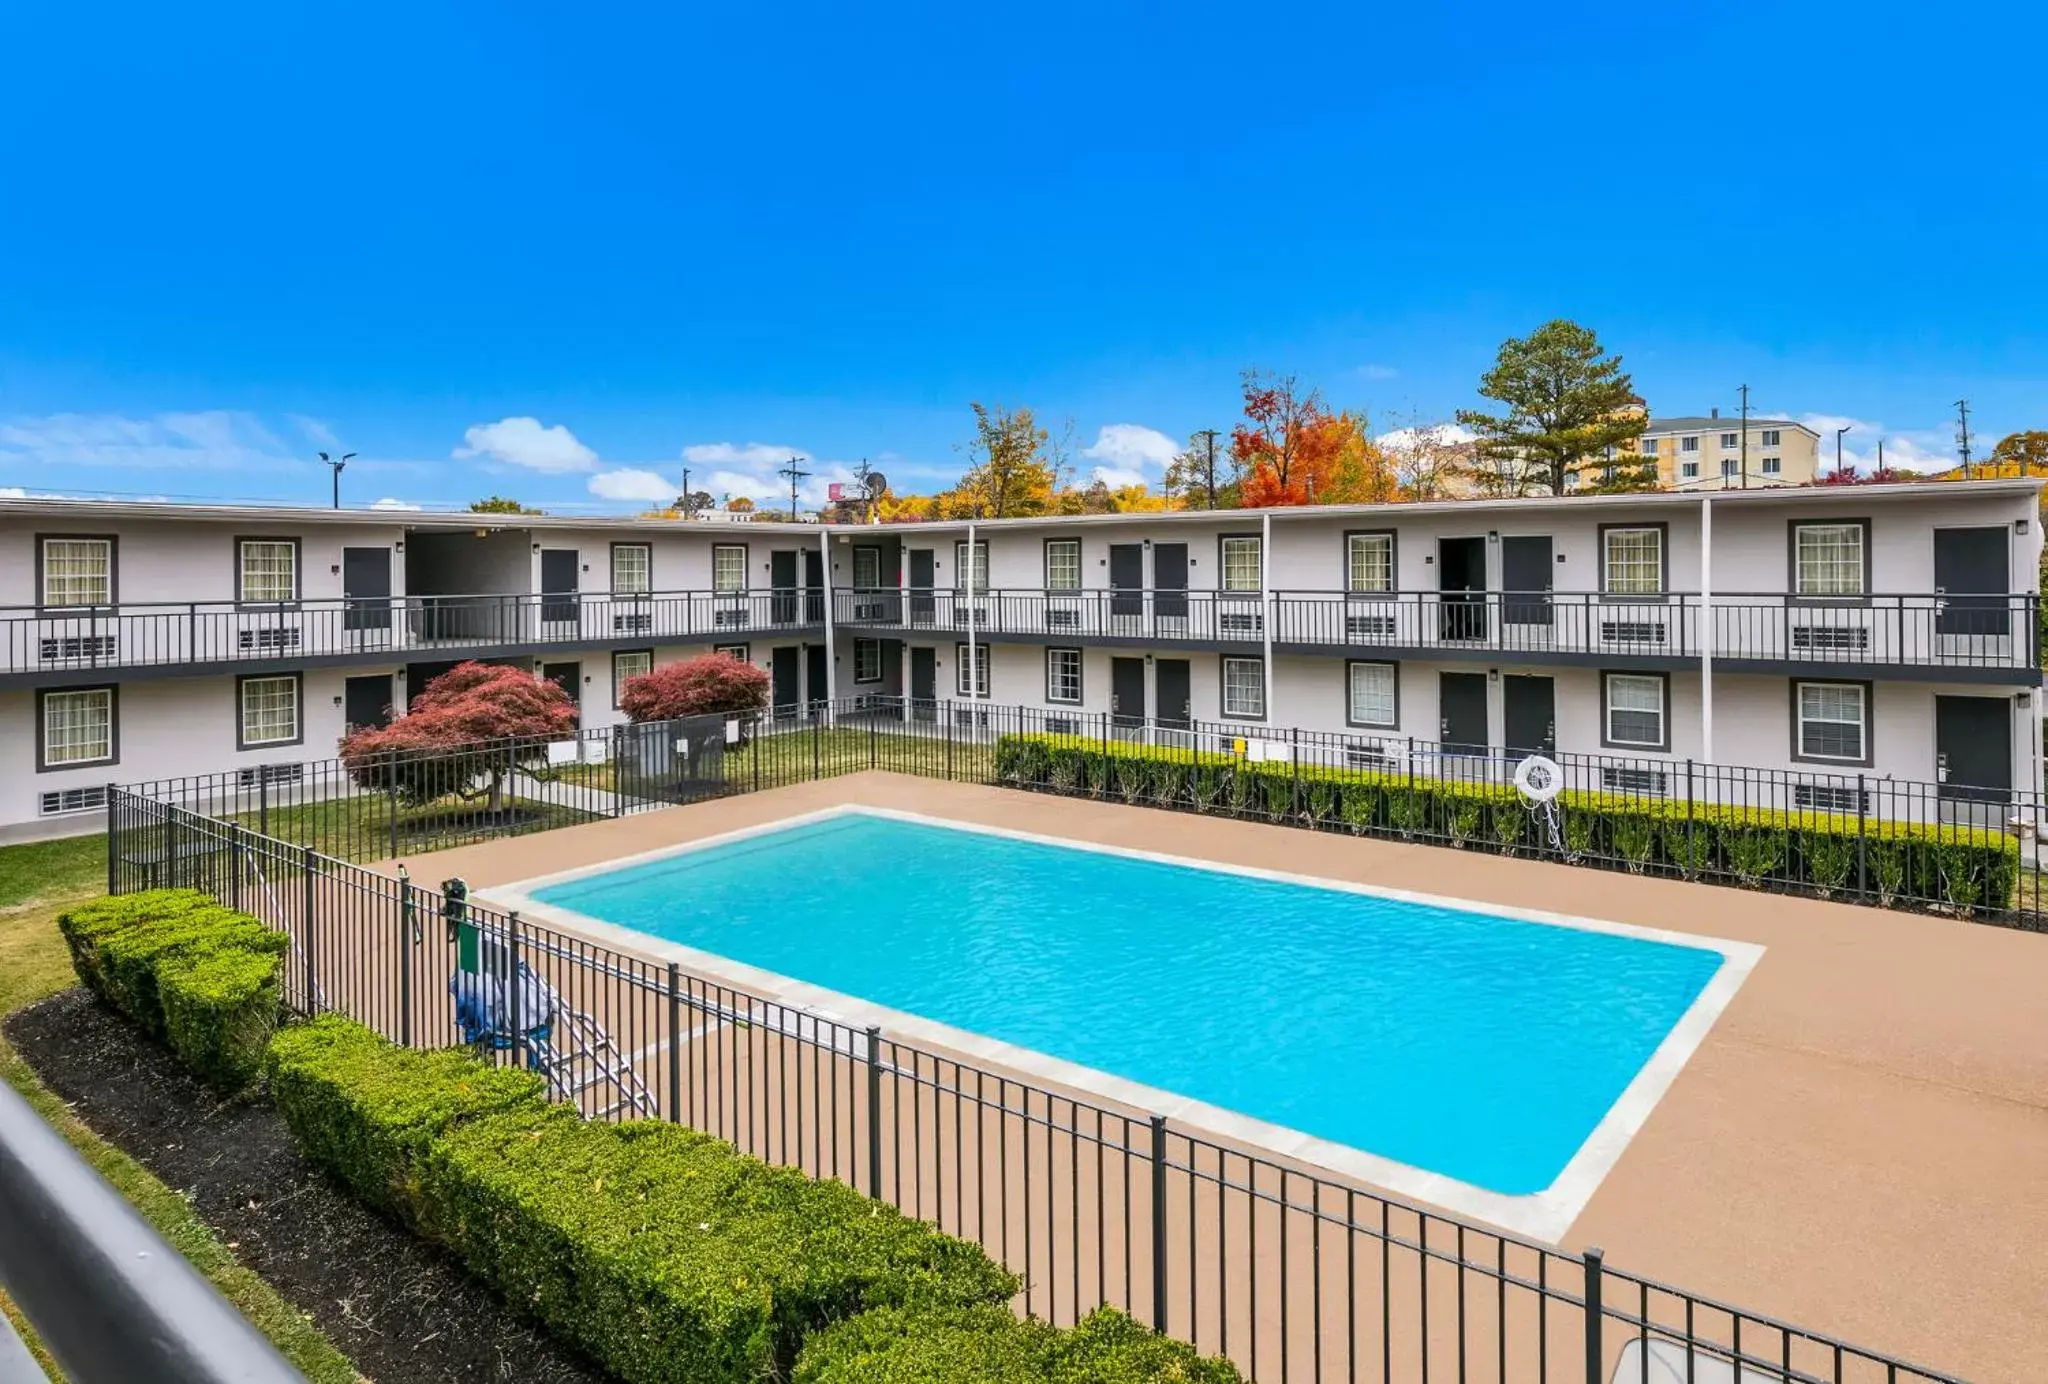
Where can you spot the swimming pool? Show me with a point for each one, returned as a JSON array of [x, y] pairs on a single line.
[[1453, 1048]]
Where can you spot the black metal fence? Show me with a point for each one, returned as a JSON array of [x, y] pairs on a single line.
[[1948, 849], [1292, 1274]]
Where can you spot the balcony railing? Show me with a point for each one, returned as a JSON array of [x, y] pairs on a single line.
[[1995, 631], [209, 632]]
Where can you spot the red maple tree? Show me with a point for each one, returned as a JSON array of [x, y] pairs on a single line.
[[475, 724], [706, 686], [1288, 444]]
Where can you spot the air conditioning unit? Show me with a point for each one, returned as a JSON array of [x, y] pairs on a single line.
[[970, 720], [260, 774], [1368, 627], [1833, 639], [1062, 619], [1641, 783], [1062, 725], [272, 639], [65, 800], [1240, 621], [1367, 754], [640, 622], [722, 619], [73, 647], [1632, 631], [1820, 797]]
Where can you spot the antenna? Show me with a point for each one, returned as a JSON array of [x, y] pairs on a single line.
[[1963, 434], [796, 473]]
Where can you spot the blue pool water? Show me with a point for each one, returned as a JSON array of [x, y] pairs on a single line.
[[1480, 1047]]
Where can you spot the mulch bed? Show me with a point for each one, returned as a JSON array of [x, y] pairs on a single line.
[[399, 1309]]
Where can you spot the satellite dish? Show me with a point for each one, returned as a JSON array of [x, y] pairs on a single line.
[[877, 483]]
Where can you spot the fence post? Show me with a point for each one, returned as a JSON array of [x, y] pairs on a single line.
[[113, 838], [263, 802], [760, 747], [817, 765], [874, 1112], [1159, 1223], [1294, 759], [1692, 854], [391, 814], [306, 859], [235, 867], [1862, 839], [874, 740], [513, 987], [406, 905], [949, 745], [1594, 1344], [675, 1043]]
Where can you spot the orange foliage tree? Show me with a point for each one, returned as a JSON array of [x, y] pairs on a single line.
[[1294, 451]]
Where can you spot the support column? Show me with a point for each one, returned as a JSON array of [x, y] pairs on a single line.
[[831, 643], [967, 580], [1706, 628], [1266, 605]]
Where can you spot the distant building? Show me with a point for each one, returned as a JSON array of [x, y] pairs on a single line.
[[1709, 453]]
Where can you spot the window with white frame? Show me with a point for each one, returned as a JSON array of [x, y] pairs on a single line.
[[1730, 441], [1828, 559], [1649, 446], [867, 660], [270, 570], [78, 727], [269, 711], [1689, 470], [1372, 694], [734, 651], [1728, 465], [1063, 676], [961, 575], [1634, 561], [633, 569], [1635, 710], [1063, 564], [977, 684], [78, 571], [1772, 466], [867, 569], [1369, 561], [1688, 444], [1244, 688], [1241, 564], [728, 566], [1770, 437], [628, 664], [1833, 721]]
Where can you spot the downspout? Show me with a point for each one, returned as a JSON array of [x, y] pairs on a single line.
[[1707, 627], [1266, 600]]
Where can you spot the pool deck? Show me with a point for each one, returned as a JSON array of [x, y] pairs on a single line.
[[1859, 1144]]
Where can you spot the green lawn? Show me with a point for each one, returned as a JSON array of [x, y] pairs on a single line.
[[33, 965]]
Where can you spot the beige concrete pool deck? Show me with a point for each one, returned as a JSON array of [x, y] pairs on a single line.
[[1859, 1144]]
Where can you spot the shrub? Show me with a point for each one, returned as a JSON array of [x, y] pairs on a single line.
[[367, 1110], [130, 958], [711, 685], [89, 924], [220, 1010], [990, 1346]]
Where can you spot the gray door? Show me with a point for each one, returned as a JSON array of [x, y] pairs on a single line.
[[568, 677], [924, 682], [366, 701], [814, 590], [782, 581], [782, 679], [1170, 684], [1525, 580], [816, 682], [1169, 582], [366, 591], [558, 584], [1126, 579], [1973, 748], [921, 578], [1462, 712], [1461, 582], [1529, 708], [1127, 691], [1972, 570]]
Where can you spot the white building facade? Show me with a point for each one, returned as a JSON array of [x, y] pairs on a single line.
[[1886, 631]]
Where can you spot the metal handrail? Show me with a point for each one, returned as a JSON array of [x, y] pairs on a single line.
[[110, 1300]]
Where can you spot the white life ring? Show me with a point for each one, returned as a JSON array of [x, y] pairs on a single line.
[[1538, 779]]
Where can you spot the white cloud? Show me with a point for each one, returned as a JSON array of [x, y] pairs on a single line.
[[1130, 447], [315, 431], [215, 439], [1116, 478], [745, 456], [524, 442], [389, 503], [1441, 434], [12, 492], [1376, 372], [1924, 450], [633, 484]]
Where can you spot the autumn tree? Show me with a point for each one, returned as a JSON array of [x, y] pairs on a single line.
[[498, 504], [739, 504], [1288, 442], [464, 735], [1015, 467], [1204, 476], [708, 685], [1361, 472], [2018, 454], [1567, 403]]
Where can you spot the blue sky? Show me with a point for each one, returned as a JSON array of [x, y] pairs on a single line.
[[563, 251]]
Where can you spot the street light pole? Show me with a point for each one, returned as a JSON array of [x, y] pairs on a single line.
[[337, 467], [1838, 449]]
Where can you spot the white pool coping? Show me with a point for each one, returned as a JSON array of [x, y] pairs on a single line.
[[1544, 1215]]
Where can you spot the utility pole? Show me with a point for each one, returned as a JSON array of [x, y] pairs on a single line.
[[1209, 481], [1744, 463], [1838, 450], [796, 473], [337, 467], [688, 509], [1963, 434]]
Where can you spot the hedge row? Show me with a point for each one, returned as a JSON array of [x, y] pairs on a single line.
[[665, 1254], [1960, 868], [191, 973]]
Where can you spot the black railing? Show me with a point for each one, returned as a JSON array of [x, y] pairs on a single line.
[[1292, 1274], [211, 632], [1997, 632], [109, 1298], [1952, 849]]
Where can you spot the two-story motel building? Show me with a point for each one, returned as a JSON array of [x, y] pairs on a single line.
[[1881, 630]]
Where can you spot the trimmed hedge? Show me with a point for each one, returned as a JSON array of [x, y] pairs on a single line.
[[197, 976], [1964, 869], [664, 1254], [990, 1346]]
